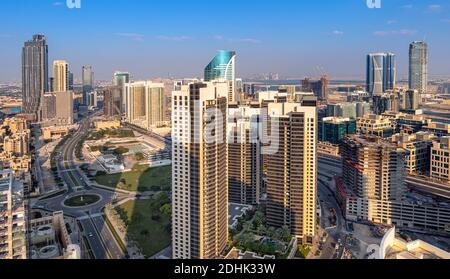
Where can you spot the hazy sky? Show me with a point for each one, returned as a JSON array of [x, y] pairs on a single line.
[[156, 38]]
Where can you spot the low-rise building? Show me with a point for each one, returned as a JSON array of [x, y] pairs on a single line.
[[439, 129], [440, 159], [49, 239], [54, 132], [107, 125], [334, 129], [393, 247], [418, 147], [375, 125]]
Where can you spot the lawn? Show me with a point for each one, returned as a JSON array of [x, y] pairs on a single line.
[[116, 133], [82, 200], [146, 224], [141, 178]]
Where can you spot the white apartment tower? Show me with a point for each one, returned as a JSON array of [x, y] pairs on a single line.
[[199, 170]]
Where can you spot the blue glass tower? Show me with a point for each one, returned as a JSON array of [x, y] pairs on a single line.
[[223, 67]]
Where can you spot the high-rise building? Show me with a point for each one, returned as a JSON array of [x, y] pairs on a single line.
[[418, 66], [145, 104], [112, 101], [34, 74], [292, 169], [319, 87], [373, 168], [13, 216], [87, 76], [411, 100], [380, 73], [60, 76], [70, 81], [374, 187], [119, 81], [244, 153], [57, 108], [223, 66], [199, 168]]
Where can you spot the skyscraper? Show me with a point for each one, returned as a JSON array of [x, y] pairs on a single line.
[[199, 176], [244, 153], [119, 80], [381, 73], [292, 170], [418, 66], [60, 76], [223, 66], [145, 104], [112, 103], [88, 83], [34, 74], [70, 81]]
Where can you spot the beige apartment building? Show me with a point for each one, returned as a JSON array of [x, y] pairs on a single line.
[[17, 144], [57, 108], [199, 170], [60, 76], [292, 169], [440, 159], [244, 153], [145, 104], [417, 148], [376, 125]]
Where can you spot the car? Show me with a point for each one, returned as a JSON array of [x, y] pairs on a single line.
[[90, 234]]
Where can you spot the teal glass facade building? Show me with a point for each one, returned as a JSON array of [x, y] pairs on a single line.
[[223, 67]]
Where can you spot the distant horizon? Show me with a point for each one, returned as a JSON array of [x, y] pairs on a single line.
[[155, 40]]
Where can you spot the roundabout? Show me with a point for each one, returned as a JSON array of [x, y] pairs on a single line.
[[82, 200]]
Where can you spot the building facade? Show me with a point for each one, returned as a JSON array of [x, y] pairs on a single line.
[[13, 216], [418, 66], [223, 66], [145, 104], [440, 159], [244, 154], [199, 168], [87, 76], [292, 170], [381, 73], [60, 76], [34, 74]]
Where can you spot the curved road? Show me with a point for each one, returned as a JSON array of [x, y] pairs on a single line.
[[96, 231]]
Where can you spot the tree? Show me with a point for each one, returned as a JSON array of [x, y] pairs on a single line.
[[285, 233], [259, 219], [166, 209], [121, 150], [164, 198], [262, 230], [271, 232]]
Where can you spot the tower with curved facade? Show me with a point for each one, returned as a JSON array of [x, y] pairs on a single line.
[[223, 67]]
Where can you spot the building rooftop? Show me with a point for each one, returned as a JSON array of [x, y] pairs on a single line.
[[392, 247]]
